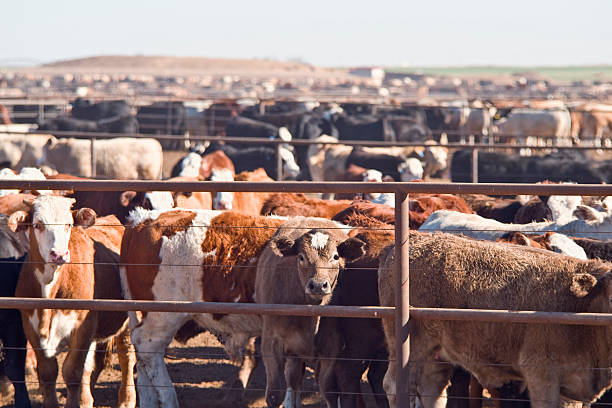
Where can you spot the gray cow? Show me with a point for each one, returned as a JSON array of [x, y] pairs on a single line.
[[553, 361], [299, 265]]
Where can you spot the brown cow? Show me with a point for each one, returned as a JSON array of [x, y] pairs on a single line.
[[291, 204], [14, 202], [4, 115], [244, 202], [195, 255], [300, 265], [422, 206], [358, 173], [541, 241], [60, 264], [201, 200], [216, 160], [553, 361], [380, 212]]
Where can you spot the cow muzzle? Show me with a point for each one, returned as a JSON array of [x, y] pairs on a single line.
[[318, 288], [59, 257]]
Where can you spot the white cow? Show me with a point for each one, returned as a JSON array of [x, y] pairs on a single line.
[[22, 150], [475, 226], [546, 126], [118, 158], [26, 173]]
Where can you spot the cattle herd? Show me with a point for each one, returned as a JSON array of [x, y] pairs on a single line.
[[544, 253]]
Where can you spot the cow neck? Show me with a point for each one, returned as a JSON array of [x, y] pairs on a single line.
[[47, 275], [236, 240]]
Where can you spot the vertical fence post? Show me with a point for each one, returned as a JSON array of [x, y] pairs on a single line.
[[402, 335], [93, 157], [279, 162], [474, 165]]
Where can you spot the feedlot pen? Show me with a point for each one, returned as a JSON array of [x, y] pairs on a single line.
[[199, 368]]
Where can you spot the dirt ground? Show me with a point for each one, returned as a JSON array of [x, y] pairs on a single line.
[[202, 376]]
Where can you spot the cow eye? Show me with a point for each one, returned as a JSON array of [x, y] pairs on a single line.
[[38, 226], [336, 257], [301, 258]]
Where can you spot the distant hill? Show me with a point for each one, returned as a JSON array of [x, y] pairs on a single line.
[[177, 65]]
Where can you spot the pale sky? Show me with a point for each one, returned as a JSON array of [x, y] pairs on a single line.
[[321, 32]]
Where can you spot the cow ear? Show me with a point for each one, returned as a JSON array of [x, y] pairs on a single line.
[[126, 198], [585, 213], [582, 284], [84, 217], [19, 221], [29, 202], [352, 249], [521, 239], [285, 245], [52, 141]]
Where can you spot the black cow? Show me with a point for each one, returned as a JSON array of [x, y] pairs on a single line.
[[503, 168], [84, 109], [349, 346], [244, 127], [11, 333], [363, 127], [123, 124], [385, 163], [67, 124]]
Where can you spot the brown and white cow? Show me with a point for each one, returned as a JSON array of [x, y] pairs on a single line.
[[194, 255], [300, 265], [72, 256], [553, 361], [245, 202]]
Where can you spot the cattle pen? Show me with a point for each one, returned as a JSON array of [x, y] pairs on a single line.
[[402, 312], [475, 148]]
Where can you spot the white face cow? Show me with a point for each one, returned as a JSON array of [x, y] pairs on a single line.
[[223, 200], [290, 167], [411, 169], [51, 220]]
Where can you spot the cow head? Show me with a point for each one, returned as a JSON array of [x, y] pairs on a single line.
[[223, 200], [320, 255], [290, 167], [410, 170], [50, 221], [595, 288]]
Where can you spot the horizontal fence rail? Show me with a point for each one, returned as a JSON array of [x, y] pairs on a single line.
[[313, 187], [371, 312], [308, 142]]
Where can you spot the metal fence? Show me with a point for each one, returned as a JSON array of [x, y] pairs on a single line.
[[402, 312]]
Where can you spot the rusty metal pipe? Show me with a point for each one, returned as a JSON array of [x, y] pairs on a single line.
[[374, 312], [302, 142], [313, 187], [402, 298]]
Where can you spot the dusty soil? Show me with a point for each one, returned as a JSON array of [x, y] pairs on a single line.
[[202, 376]]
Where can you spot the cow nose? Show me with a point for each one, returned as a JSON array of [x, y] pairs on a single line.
[[221, 205], [59, 257], [318, 288]]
